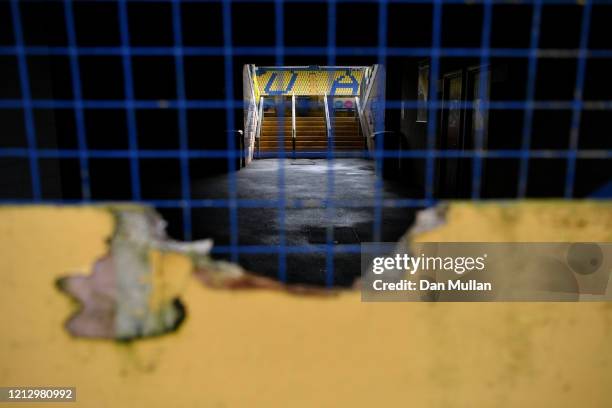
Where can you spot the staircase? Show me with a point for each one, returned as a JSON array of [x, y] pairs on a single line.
[[346, 134], [311, 135]]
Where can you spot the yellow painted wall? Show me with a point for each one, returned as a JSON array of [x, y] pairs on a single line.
[[271, 349]]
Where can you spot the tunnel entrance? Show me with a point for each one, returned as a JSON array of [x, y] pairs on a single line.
[[311, 111]]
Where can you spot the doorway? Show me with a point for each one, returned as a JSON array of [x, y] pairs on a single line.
[[463, 126], [450, 134]]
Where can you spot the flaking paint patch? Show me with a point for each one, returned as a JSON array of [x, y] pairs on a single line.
[[132, 293], [129, 293]]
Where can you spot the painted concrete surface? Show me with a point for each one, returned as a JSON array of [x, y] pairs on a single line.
[[306, 182], [272, 349]]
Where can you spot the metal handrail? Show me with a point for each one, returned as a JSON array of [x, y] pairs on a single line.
[[259, 122], [327, 123], [367, 92], [293, 131], [365, 129], [253, 97], [260, 115], [364, 103], [369, 85], [253, 117]]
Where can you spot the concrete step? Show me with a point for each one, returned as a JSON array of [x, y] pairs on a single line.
[[266, 124], [309, 129], [311, 142], [309, 149], [289, 142], [301, 122], [321, 119], [277, 133], [315, 136], [308, 123], [305, 122], [356, 146], [297, 118], [312, 138], [271, 127], [298, 132]]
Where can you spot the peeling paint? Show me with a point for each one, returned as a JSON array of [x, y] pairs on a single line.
[[130, 293]]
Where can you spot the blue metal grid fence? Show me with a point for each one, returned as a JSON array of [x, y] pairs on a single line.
[[228, 51]]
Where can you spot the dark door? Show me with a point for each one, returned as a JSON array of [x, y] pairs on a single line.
[[450, 132], [477, 119]]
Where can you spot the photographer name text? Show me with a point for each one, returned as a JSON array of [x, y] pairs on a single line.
[[412, 264]]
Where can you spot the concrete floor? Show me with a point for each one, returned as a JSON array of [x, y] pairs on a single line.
[[306, 185]]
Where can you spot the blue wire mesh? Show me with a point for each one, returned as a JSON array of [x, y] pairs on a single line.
[[178, 51]]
